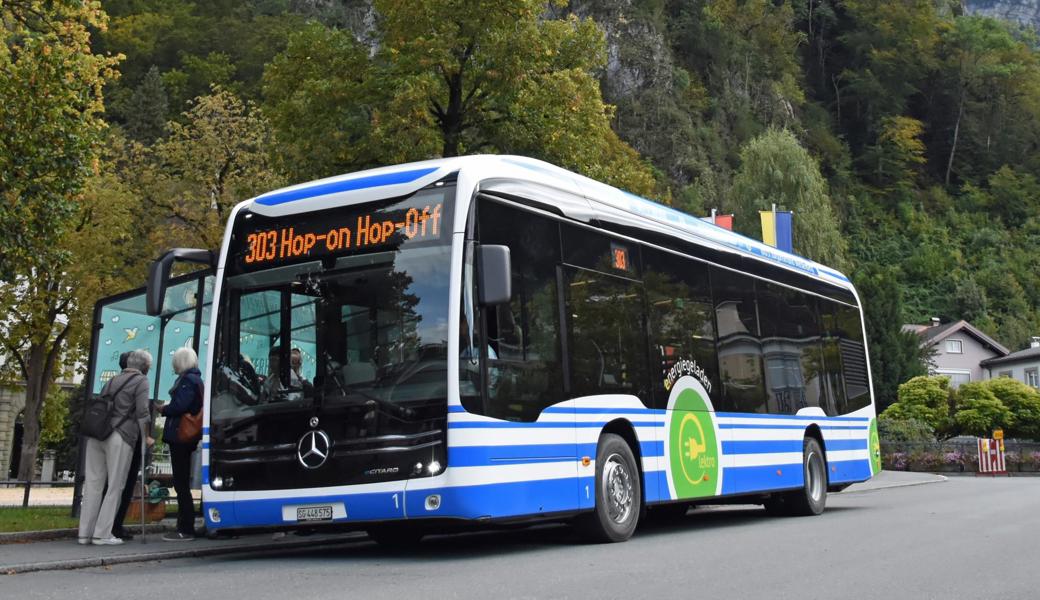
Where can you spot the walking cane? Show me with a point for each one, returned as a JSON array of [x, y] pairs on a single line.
[[144, 450]]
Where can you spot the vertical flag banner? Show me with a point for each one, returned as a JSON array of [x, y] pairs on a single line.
[[768, 227], [782, 221], [776, 229]]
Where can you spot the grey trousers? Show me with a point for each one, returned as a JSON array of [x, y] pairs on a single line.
[[106, 461]]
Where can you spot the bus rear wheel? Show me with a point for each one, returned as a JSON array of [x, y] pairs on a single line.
[[812, 498], [618, 493]]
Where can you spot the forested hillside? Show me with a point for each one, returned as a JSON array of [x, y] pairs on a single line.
[[903, 134]]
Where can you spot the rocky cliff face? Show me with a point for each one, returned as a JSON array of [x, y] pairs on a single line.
[[1025, 12]]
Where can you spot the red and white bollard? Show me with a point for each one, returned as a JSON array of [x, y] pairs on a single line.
[[991, 457]]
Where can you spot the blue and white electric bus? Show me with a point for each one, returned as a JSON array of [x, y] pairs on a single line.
[[493, 338]]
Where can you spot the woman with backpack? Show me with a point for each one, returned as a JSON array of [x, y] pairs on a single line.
[[182, 433], [110, 445]]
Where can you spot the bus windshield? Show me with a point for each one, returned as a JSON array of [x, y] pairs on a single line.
[[355, 339]]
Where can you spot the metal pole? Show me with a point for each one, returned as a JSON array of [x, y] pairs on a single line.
[[144, 446]]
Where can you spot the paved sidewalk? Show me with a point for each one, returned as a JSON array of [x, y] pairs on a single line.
[[891, 479], [68, 554]]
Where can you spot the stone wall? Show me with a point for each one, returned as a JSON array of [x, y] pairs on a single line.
[[12, 402]]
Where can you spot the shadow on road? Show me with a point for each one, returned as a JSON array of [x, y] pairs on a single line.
[[519, 540]]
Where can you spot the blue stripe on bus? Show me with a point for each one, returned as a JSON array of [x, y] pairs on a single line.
[[205, 430], [482, 456], [791, 417], [538, 425], [602, 411], [738, 480], [358, 183], [771, 446], [850, 471]]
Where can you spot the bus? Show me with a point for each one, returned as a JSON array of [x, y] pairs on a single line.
[[493, 339]]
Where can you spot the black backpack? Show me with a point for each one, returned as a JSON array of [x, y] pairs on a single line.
[[97, 419]]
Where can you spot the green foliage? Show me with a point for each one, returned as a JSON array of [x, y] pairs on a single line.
[[54, 417], [978, 411], [451, 78], [892, 429], [1023, 402], [776, 169], [50, 107], [193, 177], [895, 355], [925, 398]]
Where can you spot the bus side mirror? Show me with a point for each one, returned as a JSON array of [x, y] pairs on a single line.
[[159, 274], [495, 277]]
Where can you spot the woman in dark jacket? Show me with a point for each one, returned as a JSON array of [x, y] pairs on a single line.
[[185, 397]]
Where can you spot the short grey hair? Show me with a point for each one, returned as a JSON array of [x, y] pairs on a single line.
[[183, 359], [140, 360]]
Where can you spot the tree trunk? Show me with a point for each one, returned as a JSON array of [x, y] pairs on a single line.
[[36, 387], [956, 132], [451, 124]]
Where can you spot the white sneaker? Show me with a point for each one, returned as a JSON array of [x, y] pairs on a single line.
[[112, 541], [83, 541]]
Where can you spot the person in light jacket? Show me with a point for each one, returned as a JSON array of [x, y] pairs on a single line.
[[185, 398], [108, 461]]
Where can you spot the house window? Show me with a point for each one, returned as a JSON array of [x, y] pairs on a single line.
[[954, 347], [957, 377], [1032, 378], [1004, 374]]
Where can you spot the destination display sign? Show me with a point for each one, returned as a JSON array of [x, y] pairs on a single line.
[[354, 229]]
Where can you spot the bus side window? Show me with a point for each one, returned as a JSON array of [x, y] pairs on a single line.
[[853, 357], [791, 348], [606, 336], [682, 323], [739, 347], [833, 383], [523, 360]]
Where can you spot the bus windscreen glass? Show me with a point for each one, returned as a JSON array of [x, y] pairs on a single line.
[[334, 321]]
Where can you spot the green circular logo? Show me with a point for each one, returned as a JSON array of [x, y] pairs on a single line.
[[693, 450], [874, 446]]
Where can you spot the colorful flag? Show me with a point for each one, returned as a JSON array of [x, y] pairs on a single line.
[[723, 221], [776, 229]]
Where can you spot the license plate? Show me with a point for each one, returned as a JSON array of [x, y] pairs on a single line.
[[314, 513]]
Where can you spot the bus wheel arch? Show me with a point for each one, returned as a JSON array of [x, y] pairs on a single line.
[[811, 498], [619, 475]]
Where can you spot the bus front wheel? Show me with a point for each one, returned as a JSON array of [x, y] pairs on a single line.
[[618, 493], [812, 498]]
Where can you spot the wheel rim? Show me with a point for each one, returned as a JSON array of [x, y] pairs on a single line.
[[814, 468], [617, 489]]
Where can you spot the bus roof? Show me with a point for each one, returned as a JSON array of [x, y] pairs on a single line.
[[404, 179]]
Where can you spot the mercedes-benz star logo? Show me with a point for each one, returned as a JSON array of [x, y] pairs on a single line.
[[313, 449]]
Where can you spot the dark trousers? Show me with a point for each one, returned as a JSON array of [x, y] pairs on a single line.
[[128, 490], [180, 460]]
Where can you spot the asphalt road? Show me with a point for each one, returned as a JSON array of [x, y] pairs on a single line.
[[963, 538]]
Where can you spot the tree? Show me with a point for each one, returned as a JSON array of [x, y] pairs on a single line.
[[48, 321], [1023, 402], [776, 169], [979, 53], [145, 111], [895, 355], [454, 78], [978, 411], [926, 399], [203, 168], [50, 107]]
